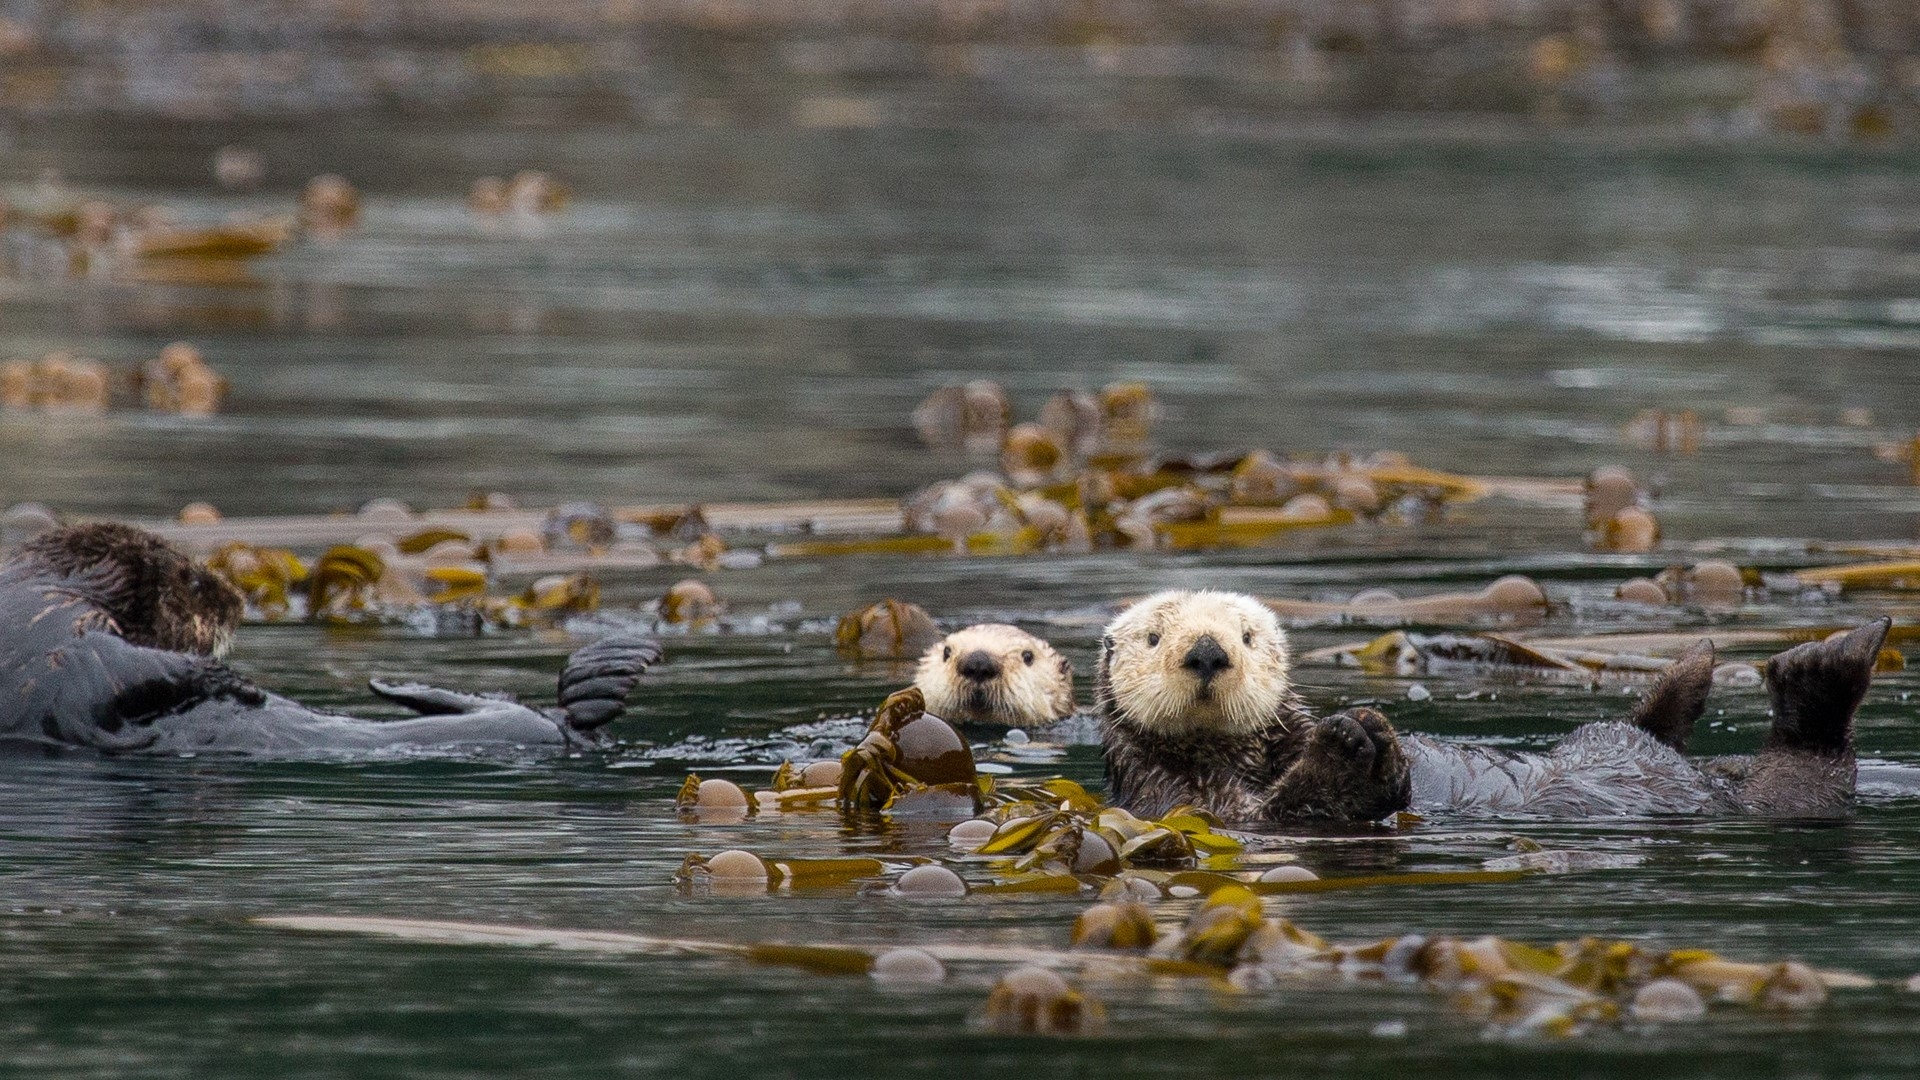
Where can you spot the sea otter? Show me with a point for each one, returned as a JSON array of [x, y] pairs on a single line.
[[1197, 707], [110, 638], [995, 675]]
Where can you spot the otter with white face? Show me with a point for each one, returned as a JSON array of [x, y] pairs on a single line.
[[992, 674], [1196, 707], [1199, 661]]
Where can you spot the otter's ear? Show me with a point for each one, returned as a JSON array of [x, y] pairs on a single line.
[[1066, 667], [1106, 644]]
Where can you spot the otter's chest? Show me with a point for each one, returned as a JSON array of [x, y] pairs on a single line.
[[1152, 776]]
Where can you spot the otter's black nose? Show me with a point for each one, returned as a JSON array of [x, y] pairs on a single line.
[[1206, 659], [978, 666]]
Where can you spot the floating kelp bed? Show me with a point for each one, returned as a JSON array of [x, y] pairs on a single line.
[[1170, 503], [694, 355], [1518, 990]]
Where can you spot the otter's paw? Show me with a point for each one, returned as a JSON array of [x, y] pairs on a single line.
[[1345, 739], [1389, 762], [1352, 769]]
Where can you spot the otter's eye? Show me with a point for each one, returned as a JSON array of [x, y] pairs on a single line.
[[946, 653], [1027, 655], [1246, 638], [1153, 640]]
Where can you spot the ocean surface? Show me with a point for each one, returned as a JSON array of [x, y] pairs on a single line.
[[741, 312]]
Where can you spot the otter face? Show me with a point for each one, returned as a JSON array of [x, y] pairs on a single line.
[[997, 674], [156, 596], [202, 617], [1183, 662]]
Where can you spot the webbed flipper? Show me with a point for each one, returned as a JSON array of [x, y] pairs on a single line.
[[432, 700], [1678, 698], [598, 677], [1816, 687]]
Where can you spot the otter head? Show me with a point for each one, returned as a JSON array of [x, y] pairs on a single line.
[[155, 595], [1193, 662], [997, 674]]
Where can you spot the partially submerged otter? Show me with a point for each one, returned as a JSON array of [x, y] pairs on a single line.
[[995, 675], [1197, 707], [109, 638]]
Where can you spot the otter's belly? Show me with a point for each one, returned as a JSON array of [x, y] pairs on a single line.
[[1600, 770], [282, 728], [1449, 777]]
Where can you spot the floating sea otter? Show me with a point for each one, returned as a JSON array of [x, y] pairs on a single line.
[[1196, 707], [995, 675], [110, 638]]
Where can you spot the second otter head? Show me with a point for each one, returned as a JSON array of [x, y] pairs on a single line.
[[156, 595], [996, 674], [1183, 662]]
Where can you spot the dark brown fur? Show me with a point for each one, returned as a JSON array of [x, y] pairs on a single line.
[[1806, 766], [1675, 702], [1352, 766], [1345, 767], [156, 596]]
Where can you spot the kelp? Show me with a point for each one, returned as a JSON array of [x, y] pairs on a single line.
[[1120, 500], [1248, 527], [1587, 659], [1404, 653], [1893, 575], [1518, 989], [269, 578], [344, 579], [1079, 839], [353, 583], [216, 243], [1037, 1001], [910, 761], [1128, 500], [733, 868], [1205, 883], [1513, 598], [886, 630]]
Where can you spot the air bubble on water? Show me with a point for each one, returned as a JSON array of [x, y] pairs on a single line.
[[1389, 1029]]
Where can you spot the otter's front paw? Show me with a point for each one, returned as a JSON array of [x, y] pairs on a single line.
[[1352, 769], [1345, 739], [1389, 762]]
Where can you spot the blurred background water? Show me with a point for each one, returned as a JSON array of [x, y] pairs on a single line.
[[1488, 244]]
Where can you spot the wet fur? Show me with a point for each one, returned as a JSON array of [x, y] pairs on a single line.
[[1353, 766], [1019, 694], [1805, 768], [1244, 748], [152, 594], [107, 640]]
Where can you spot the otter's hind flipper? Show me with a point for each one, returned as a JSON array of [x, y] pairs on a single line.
[[598, 678], [432, 700], [1678, 698], [1816, 687]]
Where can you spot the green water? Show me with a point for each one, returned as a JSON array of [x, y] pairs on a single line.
[[750, 313]]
